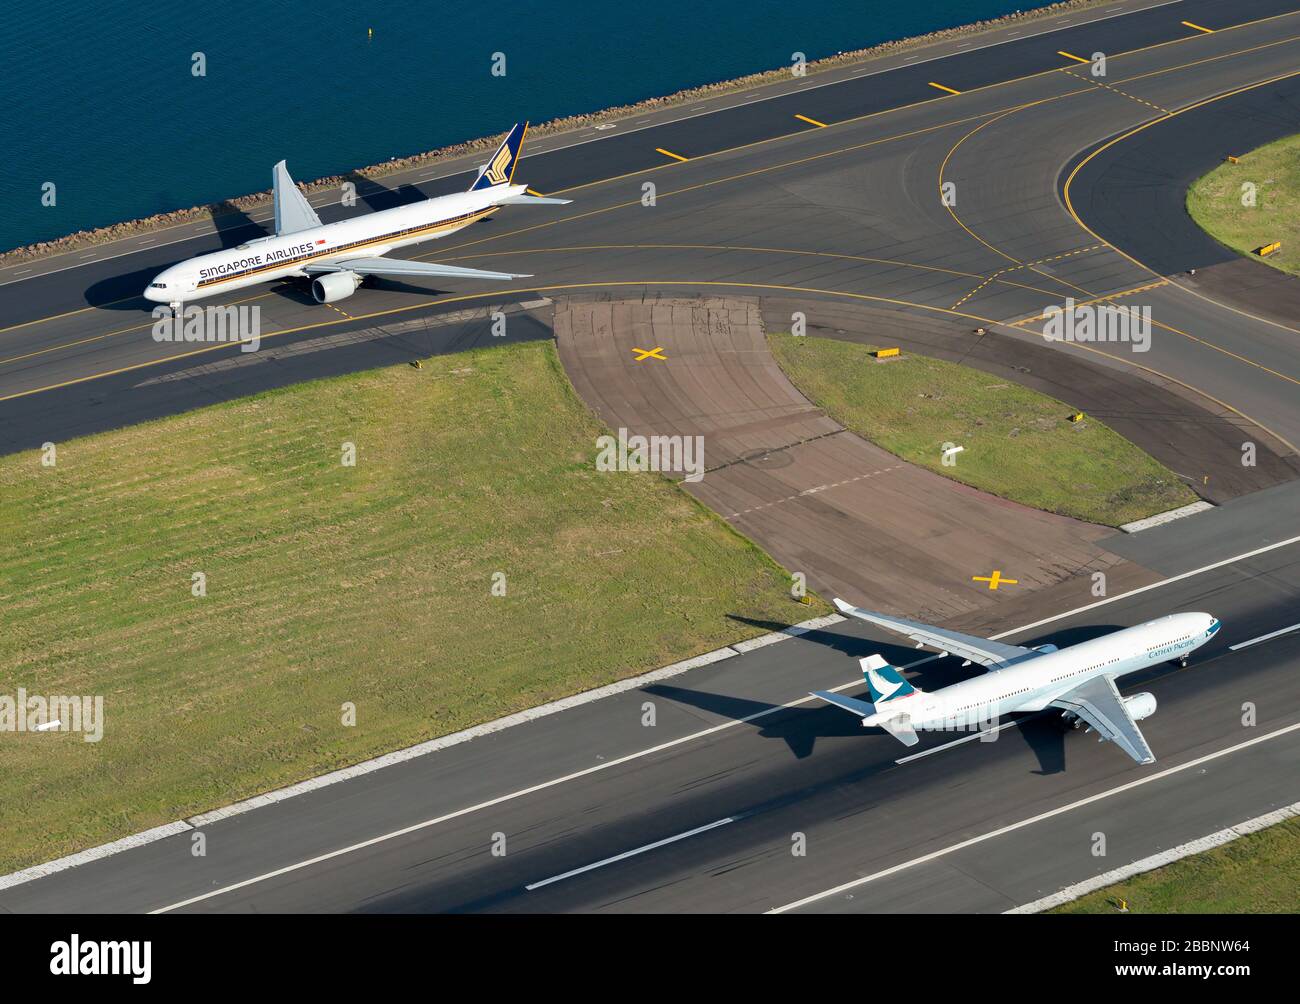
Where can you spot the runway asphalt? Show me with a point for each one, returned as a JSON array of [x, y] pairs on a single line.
[[594, 783], [842, 214]]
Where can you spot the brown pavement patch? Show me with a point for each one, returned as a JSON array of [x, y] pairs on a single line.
[[856, 520]]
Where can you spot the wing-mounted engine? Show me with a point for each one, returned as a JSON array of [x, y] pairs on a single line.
[[334, 286], [1140, 706]]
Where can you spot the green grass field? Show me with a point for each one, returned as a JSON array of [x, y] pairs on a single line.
[[1257, 873], [329, 584], [1019, 444], [1215, 202]]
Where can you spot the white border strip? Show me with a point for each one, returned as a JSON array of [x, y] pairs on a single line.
[[1073, 892], [410, 753], [94, 854], [1161, 518]]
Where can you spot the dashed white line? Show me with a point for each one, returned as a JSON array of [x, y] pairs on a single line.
[[812, 491]]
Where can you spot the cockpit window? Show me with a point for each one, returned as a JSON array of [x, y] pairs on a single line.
[[157, 285]]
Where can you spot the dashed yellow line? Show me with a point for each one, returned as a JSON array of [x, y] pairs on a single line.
[[669, 153], [1030, 265], [805, 118], [1071, 55], [1126, 94], [1208, 31], [1096, 299], [942, 88]]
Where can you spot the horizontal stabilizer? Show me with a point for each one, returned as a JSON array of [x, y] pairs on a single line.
[[901, 729], [860, 708], [533, 200]]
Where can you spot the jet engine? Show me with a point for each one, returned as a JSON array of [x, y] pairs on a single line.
[[334, 286], [1141, 706]]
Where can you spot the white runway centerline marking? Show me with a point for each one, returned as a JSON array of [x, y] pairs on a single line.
[[632, 853], [680, 740], [1263, 637]]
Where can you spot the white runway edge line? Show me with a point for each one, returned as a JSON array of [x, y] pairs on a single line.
[[632, 853], [669, 120], [1012, 827], [1073, 892], [857, 681], [410, 753]]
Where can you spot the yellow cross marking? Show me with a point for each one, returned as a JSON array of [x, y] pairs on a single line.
[[994, 580], [1208, 31], [942, 88], [655, 353], [805, 118], [669, 153], [1071, 55]]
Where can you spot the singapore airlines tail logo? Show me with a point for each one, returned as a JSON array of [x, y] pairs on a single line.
[[496, 172]]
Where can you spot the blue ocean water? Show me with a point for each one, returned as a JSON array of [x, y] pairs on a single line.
[[99, 97]]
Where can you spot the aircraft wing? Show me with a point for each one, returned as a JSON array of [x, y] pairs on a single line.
[[991, 654], [292, 210], [397, 266], [1098, 703]]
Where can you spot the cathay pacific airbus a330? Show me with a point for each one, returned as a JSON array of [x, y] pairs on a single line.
[[1079, 680], [338, 256]]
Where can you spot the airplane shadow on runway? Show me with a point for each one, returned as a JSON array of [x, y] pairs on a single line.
[[800, 727], [376, 196]]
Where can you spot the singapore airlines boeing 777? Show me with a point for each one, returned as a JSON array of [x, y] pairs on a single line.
[[1079, 680], [337, 256]]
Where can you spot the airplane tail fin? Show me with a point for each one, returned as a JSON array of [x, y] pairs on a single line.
[[884, 681], [886, 684], [501, 168]]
